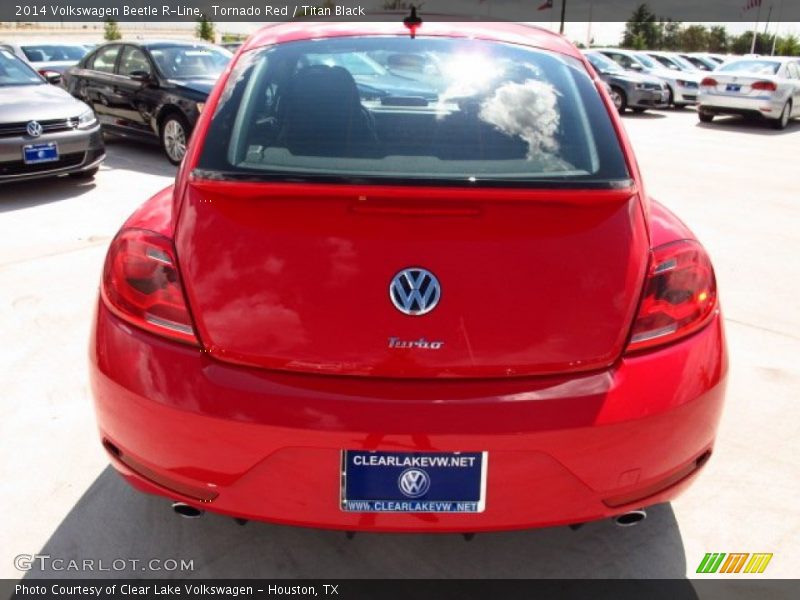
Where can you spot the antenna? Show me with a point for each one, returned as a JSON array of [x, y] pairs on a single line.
[[412, 22]]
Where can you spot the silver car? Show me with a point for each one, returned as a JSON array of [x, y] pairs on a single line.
[[681, 86], [43, 130], [768, 87]]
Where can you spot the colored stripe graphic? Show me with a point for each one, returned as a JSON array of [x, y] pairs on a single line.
[[713, 562], [758, 563], [734, 562], [710, 562]]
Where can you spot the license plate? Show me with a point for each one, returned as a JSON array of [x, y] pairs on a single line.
[[413, 482], [731, 87], [40, 153]]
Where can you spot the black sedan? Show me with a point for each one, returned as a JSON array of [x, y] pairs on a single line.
[[149, 89]]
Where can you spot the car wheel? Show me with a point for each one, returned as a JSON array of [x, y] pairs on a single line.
[[782, 121], [88, 174], [619, 99], [705, 117], [670, 96], [174, 136]]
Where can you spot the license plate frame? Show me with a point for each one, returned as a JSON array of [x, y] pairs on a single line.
[[45, 152], [452, 482], [733, 87]]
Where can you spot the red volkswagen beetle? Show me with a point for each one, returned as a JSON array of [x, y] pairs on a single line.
[[408, 284]]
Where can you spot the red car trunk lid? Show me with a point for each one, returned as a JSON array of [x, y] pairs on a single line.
[[297, 277]]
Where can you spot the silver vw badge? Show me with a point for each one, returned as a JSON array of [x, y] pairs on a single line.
[[415, 291], [34, 128], [414, 483]]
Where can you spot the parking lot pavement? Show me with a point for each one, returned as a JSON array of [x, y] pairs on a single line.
[[736, 184]]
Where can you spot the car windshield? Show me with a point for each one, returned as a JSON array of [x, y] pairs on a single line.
[[190, 62], [15, 72], [756, 67], [408, 110], [647, 61], [52, 52], [603, 64], [683, 63]]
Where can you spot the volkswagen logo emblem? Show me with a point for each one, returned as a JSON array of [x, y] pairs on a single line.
[[414, 483], [34, 128], [415, 291]]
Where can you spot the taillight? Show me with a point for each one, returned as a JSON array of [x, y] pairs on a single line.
[[141, 285], [709, 82], [768, 86], [680, 295]]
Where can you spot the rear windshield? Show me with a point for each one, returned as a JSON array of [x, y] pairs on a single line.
[[756, 67], [412, 110]]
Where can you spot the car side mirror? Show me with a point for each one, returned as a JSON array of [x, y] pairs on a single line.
[[636, 67], [142, 76], [53, 77]]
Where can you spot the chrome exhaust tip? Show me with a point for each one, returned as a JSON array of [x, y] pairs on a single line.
[[186, 511], [631, 518]]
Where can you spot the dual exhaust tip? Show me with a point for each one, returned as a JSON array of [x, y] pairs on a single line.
[[631, 518], [186, 511], [628, 519]]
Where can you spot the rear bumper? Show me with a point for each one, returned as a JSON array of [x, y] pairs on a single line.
[[718, 103], [267, 445]]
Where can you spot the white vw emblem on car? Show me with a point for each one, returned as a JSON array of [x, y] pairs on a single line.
[[34, 128], [415, 291], [414, 483]]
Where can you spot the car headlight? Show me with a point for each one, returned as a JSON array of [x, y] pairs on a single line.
[[87, 120], [640, 86], [682, 83]]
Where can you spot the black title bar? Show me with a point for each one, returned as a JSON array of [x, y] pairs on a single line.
[[49, 11]]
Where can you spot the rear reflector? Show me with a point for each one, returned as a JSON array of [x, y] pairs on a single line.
[[141, 285], [660, 485], [680, 295]]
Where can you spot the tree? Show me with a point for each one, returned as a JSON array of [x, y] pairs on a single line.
[[205, 29], [111, 31], [717, 39], [670, 34], [641, 28], [788, 46], [694, 38]]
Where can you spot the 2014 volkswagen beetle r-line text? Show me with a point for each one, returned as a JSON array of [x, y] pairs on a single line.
[[408, 284]]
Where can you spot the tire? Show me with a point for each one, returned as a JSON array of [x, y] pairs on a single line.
[[638, 111], [670, 97], [85, 175], [782, 121], [705, 117], [174, 134], [619, 98]]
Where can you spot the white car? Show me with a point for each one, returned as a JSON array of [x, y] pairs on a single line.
[[48, 57], [768, 87]]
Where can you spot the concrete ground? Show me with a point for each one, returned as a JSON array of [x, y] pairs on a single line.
[[736, 184]]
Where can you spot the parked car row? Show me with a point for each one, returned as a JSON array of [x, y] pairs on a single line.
[[157, 89]]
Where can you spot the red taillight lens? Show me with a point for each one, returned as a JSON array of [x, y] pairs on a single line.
[[141, 284], [768, 86], [680, 295], [709, 82]]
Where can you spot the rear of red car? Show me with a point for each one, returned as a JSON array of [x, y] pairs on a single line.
[[408, 284]]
